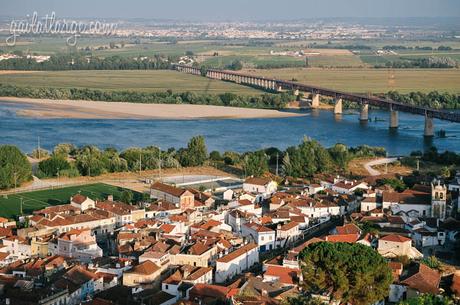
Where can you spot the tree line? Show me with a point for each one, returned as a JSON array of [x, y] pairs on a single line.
[[420, 48], [81, 61], [267, 100], [304, 160], [432, 99], [431, 62], [67, 160]]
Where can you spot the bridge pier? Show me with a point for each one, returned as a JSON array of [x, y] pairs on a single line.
[[364, 115], [429, 127], [394, 119], [315, 101], [338, 106]]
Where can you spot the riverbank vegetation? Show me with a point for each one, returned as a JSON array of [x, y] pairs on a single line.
[[430, 62], [267, 100], [434, 99]]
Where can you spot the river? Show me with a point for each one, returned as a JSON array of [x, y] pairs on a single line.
[[229, 134]]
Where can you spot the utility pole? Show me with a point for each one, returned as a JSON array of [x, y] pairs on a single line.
[[159, 162], [20, 206], [58, 176], [277, 156], [140, 162]]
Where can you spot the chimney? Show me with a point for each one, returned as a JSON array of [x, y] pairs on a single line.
[[110, 198]]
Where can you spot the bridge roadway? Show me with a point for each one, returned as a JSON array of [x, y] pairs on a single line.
[[277, 84]]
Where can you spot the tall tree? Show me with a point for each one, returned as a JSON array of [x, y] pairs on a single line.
[[51, 166], [255, 163], [14, 167], [127, 196], [340, 155], [353, 273], [196, 152]]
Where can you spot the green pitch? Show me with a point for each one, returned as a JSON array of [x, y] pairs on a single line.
[[36, 200]]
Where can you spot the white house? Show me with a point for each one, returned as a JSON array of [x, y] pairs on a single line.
[[314, 188], [287, 233], [263, 236], [228, 194], [236, 262], [396, 245], [263, 186], [82, 202], [79, 244], [348, 187], [424, 237], [16, 247], [186, 274], [368, 204]]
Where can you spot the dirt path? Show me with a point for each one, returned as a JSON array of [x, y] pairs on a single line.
[[373, 172]]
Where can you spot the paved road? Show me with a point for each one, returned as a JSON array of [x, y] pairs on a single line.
[[373, 172]]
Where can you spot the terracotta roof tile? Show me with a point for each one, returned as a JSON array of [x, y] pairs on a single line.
[[257, 181], [395, 238], [285, 275], [237, 253], [426, 280]]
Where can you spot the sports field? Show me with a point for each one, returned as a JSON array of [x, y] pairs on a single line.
[[135, 80], [32, 201]]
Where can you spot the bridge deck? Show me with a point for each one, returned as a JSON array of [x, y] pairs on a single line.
[[362, 99]]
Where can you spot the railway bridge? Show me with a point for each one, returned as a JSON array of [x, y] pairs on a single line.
[[278, 85]]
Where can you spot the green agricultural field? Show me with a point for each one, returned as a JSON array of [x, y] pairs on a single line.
[[335, 61], [253, 61], [32, 201], [373, 80], [135, 80]]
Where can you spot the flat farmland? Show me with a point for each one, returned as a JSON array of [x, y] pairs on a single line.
[[372, 80], [135, 80]]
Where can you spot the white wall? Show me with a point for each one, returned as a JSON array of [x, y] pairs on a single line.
[[225, 271]]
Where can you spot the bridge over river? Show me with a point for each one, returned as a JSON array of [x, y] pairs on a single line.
[[338, 96]]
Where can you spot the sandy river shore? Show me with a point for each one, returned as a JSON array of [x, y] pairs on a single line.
[[46, 108]]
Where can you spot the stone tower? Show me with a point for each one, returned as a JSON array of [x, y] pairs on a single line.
[[438, 200]]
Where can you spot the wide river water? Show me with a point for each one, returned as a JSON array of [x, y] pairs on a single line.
[[229, 134]]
